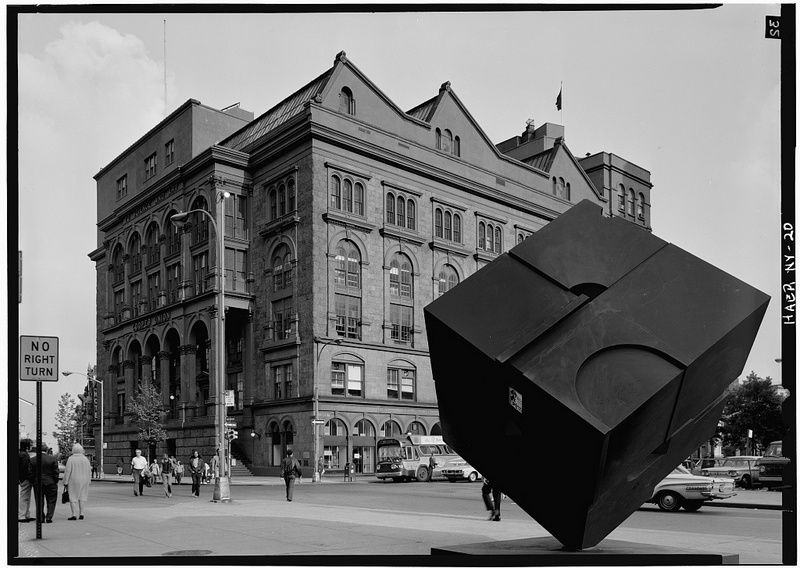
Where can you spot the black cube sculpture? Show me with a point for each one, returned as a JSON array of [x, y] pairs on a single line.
[[576, 370]]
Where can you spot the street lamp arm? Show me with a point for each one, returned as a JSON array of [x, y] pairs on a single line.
[[182, 218]]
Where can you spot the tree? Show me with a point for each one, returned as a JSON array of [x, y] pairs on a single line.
[[754, 404], [66, 424], [146, 410]]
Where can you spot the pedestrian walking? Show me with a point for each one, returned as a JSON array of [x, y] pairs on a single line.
[[321, 467], [138, 468], [49, 469], [214, 465], [290, 470], [178, 471], [119, 466], [431, 467], [77, 475], [94, 468], [25, 480], [196, 468], [491, 498], [166, 475], [155, 471]]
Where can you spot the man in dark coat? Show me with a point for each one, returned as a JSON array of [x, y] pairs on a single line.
[[49, 469], [290, 469], [24, 476]]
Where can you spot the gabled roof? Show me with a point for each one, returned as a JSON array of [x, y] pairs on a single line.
[[542, 160], [424, 111], [277, 115]]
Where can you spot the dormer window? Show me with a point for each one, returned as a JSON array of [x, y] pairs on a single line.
[[347, 103]]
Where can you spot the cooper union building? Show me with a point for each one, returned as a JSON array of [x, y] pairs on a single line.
[[344, 216]]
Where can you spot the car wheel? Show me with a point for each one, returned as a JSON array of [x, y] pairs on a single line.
[[668, 501], [692, 505], [472, 477], [747, 483], [422, 474]]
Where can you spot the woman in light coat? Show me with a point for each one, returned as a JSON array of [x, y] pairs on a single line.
[[77, 476]]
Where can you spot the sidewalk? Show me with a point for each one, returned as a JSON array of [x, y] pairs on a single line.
[[744, 498]]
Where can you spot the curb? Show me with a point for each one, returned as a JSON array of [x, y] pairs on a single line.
[[765, 506]]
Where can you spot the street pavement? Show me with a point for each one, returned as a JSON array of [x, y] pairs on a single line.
[[263, 523]]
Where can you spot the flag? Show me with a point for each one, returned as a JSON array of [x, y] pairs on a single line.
[[558, 100]]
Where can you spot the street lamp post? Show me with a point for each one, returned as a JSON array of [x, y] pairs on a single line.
[[90, 375], [222, 490], [316, 420]]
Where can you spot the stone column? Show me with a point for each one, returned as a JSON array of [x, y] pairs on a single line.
[[110, 392], [163, 366], [188, 378], [147, 368], [128, 368]]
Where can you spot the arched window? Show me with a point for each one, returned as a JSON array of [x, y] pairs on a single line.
[[336, 192], [173, 235], [348, 265], [621, 206], [520, 238], [275, 443], [562, 188], [641, 206], [117, 265], [391, 429], [448, 278], [273, 204], [281, 200], [281, 268], [481, 235], [135, 254], [447, 141], [364, 428], [436, 430], [568, 193], [555, 186], [390, 208], [358, 199], [411, 214], [153, 246], [448, 226], [401, 211], [290, 192], [498, 240], [437, 223], [457, 146], [438, 139], [457, 228], [334, 427], [347, 196], [631, 201], [347, 103], [401, 279], [416, 428], [489, 237]]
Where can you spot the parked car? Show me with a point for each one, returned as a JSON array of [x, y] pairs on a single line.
[[743, 470], [771, 466], [682, 489], [459, 469]]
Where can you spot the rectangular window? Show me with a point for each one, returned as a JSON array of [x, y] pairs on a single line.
[[347, 375], [169, 152], [407, 385], [621, 206], [136, 297], [120, 403], [153, 289], [122, 186], [282, 323], [401, 318], [393, 383], [337, 378], [200, 265], [287, 373], [278, 374], [119, 304], [235, 270], [173, 282], [150, 166], [348, 316]]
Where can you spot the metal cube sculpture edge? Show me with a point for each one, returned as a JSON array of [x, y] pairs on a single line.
[[576, 370]]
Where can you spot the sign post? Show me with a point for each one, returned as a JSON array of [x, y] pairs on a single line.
[[38, 361]]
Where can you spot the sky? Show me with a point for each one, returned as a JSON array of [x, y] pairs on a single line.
[[690, 95]]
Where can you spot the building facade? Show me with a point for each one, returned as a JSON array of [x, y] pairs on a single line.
[[344, 216]]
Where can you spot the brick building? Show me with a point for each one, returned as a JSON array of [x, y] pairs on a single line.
[[344, 216]]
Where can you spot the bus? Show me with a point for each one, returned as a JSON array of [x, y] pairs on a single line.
[[407, 459]]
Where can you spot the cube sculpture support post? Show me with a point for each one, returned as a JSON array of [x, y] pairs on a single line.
[[578, 369]]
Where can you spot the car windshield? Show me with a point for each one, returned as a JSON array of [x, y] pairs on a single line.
[[385, 452], [428, 449], [735, 463], [774, 451], [681, 469]]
